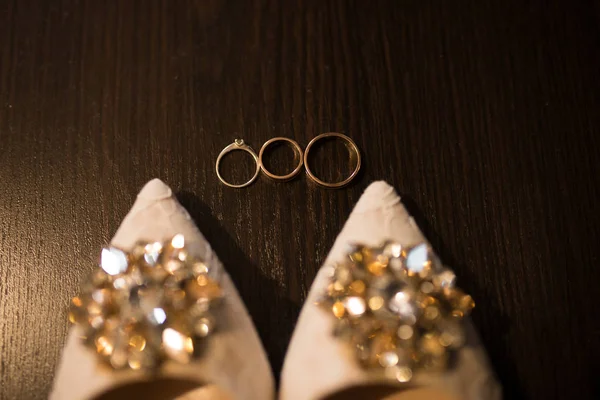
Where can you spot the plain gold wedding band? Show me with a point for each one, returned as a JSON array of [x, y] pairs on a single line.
[[353, 151], [298, 151]]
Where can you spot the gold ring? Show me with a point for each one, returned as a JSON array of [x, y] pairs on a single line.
[[298, 151], [238, 144], [353, 150]]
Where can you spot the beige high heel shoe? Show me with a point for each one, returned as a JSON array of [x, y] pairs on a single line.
[[381, 320], [148, 349]]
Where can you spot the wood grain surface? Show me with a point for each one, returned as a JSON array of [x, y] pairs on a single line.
[[483, 114]]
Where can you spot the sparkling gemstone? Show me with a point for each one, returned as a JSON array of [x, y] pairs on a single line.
[[357, 255], [96, 322], [337, 287], [409, 319], [94, 309], [239, 142], [357, 287], [118, 358], [417, 259], [405, 332], [182, 255], [152, 253], [113, 261], [396, 265], [203, 287], [178, 345], [376, 302], [157, 316], [386, 286], [402, 304], [176, 297], [338, 309], [431, 313], [381, 343], [77, 312], [173, 265], [144, 359], [452, 334], [204, 326], [461, 303], [135, 361], [393, 250], [104, 345], [99, 278], [425, 301], [200, 268], [430, 343], [427, 287], [434, 362], [465, 303], [152, 310], [343, 275], [178, 241], [120, 283], [102, 296], [109, 339], [444, 279], [199, 308], [403, 374], [124, 283], [137, 343], [355, 306], [377, 267], [388, 359], [147, 298], [179, 278]]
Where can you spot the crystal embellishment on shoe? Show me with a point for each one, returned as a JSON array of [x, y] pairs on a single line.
[[398, 308], [147, 306]]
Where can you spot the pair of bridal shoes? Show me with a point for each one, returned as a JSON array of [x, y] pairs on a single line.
[[161, 319]]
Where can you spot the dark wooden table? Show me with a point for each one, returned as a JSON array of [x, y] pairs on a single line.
[[483, 114]]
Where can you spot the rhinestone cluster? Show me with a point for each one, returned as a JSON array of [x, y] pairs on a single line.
[[148, 305], [398, 307]]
